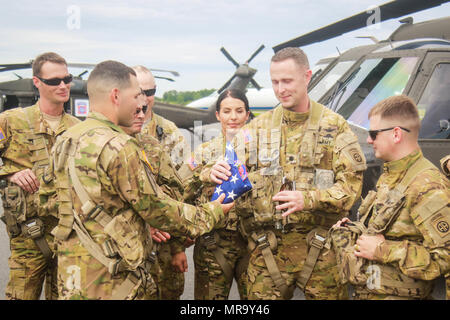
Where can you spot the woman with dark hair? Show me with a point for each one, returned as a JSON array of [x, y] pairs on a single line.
[[221, 255]]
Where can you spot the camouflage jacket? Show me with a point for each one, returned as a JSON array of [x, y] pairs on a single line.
[[417, 241], [114, 176], [168, 135], [23, 148], [199, 189], [284, 139], [166, 176], [444, 168]]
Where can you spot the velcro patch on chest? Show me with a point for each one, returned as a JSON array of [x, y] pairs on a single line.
[[442, 225]]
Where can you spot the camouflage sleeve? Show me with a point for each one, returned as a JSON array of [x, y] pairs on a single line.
[[348, 165], [128, 176], [195, 171], [176, 245], [427, 259], [7, 167], [444, 165]]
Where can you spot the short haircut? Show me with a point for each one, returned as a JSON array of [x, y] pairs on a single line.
[[43, 58], [233, 93], [108, 75], [399, 108], [296, 54]]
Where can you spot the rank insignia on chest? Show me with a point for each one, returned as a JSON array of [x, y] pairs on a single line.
[[324, 179]]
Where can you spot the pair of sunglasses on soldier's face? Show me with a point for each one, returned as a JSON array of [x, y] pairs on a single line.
[[143, 109], [56, 81], [149, 92], [373, 133]]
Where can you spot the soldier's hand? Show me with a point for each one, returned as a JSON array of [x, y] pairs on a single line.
[[220, 172], [26, 180], [293, 201], [225, 206], [158, 235], [179, 262], [340, 222], [366, 245]]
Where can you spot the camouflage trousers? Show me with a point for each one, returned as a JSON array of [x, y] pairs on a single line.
[[29, 270], [210, 280], [290, 256], [170, 282], [82, 277]]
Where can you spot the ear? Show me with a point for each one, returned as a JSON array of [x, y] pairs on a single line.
[[397, 135], [217, 116], [114, 96], [36, 82], [308, 76]]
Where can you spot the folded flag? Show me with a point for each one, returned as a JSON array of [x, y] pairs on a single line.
[[238, 183]]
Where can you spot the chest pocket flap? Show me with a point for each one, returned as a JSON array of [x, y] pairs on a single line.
[[432, 218]]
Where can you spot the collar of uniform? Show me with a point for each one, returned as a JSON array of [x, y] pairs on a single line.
[[102, 118], [402, 164], [149, 127], [292, 116], [42, 125]]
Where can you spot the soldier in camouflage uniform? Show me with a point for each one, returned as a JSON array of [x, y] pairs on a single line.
[[445, 165], [26, 138], [403, 236], [160, 137], [222, 255], [107, 192], [302, 158]]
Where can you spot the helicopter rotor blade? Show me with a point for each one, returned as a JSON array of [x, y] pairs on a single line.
[[164, 78], [174, 73], [256, 53], [92, 66], [255, 84], [229, 57], [389, 10], [226, 84], [15, 66]]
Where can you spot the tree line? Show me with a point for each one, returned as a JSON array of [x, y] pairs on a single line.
[[184, 97]]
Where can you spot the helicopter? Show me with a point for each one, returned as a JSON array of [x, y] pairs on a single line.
[[22, 93], [414, 60]]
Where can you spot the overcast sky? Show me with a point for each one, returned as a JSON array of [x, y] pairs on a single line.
[[185, 36]]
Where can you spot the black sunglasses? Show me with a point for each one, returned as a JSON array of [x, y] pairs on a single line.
[[373, 133], [56, 81], [143, 109], [149, 92]]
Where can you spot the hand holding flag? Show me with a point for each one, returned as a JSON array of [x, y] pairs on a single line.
[[238, 183]]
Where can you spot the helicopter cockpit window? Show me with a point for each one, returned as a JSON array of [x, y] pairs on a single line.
[[375, 80], [434, 105], [329, 79]]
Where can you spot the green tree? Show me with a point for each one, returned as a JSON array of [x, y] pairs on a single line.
[[184, 97]]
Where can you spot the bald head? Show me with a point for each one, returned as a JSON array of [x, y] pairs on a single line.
[[145, 77], [146, 82]]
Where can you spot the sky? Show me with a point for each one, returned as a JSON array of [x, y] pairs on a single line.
[[185, 36]]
